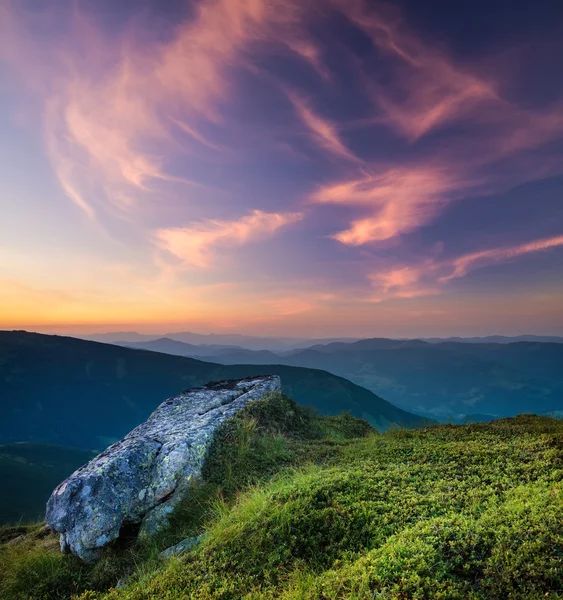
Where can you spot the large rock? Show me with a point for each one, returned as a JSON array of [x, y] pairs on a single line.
[[141, 478]]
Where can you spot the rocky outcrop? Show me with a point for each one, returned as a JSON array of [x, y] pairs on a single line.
[[141, 478]]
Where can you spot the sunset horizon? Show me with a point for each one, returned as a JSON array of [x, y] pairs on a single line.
[[275, 167]]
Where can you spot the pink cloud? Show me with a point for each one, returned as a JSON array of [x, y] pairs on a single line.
[[112, 107], [198, 137], [109, 100], [430, 276], [476, 260], [118, 110], [400, 199], [401, 282], [397, 278], [207, 46], [196, 244], [428, 89], [308, 50], [424, 90], [324, 132]]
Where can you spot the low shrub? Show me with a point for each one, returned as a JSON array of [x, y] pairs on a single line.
[[328, 509]]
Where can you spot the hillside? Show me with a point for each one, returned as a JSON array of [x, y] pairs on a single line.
[[86, 394], [29, 472], [327, 509], [445, 380]]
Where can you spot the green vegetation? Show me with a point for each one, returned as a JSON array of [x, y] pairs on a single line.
[[297, 506]]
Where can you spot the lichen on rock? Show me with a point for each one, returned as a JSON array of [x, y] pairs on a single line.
[[141, 478]]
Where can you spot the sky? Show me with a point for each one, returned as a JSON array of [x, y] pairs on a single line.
[[282, 167]]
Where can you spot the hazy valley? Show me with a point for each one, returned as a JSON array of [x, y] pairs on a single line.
[[447, 380]]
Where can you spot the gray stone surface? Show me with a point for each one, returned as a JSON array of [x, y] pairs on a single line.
[[182, 546], [141, 478]]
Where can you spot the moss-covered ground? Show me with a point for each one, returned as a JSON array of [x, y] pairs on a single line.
[[296, 506]]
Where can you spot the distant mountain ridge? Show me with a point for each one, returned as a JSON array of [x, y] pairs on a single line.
[[214, 339], [281, 344], [448, 380], [177, 348], [86, 394], [499, 339]]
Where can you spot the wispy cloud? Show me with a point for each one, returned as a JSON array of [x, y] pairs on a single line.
[[311, 52], [324, 132], [431, 276], [111, 103], [198, 137], [428, 89], [401, 282], [425, 89], [470, 262], [196, 244], [400, 199], [149, 126]]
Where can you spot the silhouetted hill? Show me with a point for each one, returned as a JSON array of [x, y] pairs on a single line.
[[86, 394]]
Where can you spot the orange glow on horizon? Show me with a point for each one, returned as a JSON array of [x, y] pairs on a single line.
[[245, 165]]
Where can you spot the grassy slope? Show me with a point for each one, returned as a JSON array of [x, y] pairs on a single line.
[[85, 394], [333, 510]]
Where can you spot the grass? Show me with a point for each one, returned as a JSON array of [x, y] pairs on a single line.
[[296, 506]]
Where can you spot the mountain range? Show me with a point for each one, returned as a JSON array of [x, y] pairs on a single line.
[[284, 344], [86, 394], [249, 342], [443, 379]]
